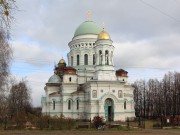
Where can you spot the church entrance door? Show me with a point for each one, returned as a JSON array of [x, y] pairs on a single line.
[[109, 109]]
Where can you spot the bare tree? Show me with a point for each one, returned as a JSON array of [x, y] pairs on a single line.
[[19, 102], [162, 97], [19, 98], [5, 58], [7, 9]]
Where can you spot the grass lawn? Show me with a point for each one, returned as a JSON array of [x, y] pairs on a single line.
[[148, 124], [92, 132]]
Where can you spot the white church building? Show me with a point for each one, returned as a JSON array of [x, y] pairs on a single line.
[[89, 85]]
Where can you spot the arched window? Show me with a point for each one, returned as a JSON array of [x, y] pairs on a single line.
[[54, 105], [124, 105], [120, 95], [77, 60], [77, 104], [69, 105], [94, 59], [100, 57], [106, 57], [69, 79], [94, 94], [71, 60], [85, 59]]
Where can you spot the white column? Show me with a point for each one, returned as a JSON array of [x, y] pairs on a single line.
[[112, 58], [109, 59], [97, 58], [81, 59], [69, 59], [103, 58]]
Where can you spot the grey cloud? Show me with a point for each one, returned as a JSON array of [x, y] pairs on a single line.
[[35, 54], [156, 53], [52, 24], [37, 84]]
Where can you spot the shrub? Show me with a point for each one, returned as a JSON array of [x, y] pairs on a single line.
[[98, 121], [54, 123], [156, 125], [20, 120]]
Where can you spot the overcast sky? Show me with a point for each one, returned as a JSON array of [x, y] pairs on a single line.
[[145, 33]]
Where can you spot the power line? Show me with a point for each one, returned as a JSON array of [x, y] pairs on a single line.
[[160, 11]]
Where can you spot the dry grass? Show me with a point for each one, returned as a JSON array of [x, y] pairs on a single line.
[[89, 132]]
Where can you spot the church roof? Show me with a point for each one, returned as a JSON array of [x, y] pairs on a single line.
[[103, 35], [87, 27], [62, 61], [78, 91], [70, 70], [54, 93], [54, 79], [121, 72]]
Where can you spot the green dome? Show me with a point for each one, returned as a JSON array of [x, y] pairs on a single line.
[[87, 27]]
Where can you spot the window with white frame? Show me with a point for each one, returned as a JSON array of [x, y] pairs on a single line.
[[120, 94], [94, 94]]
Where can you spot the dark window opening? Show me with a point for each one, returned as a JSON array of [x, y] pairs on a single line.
[[85, 59], [94, 60], [77, 104], [125, 105], [69, 105], [100, 57], [54, 105], [77, 59], [106, 57]]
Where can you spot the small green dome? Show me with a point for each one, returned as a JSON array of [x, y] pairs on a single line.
[[87, 27]]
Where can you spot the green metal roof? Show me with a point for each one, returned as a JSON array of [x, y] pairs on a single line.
[[87, 27], [43, 99]]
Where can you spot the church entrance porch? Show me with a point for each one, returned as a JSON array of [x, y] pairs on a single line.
[[109, 109]]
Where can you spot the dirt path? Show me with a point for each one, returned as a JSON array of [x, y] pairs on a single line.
[[142, 132]]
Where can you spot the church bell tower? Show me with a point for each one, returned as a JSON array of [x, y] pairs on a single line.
[[104, 67]]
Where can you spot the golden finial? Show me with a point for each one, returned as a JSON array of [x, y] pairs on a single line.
[[62, 60], [89, 15]]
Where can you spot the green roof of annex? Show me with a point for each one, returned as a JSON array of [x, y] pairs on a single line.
[[87, 27]]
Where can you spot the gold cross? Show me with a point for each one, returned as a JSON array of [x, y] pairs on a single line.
[[103, 24], [89, 15]]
